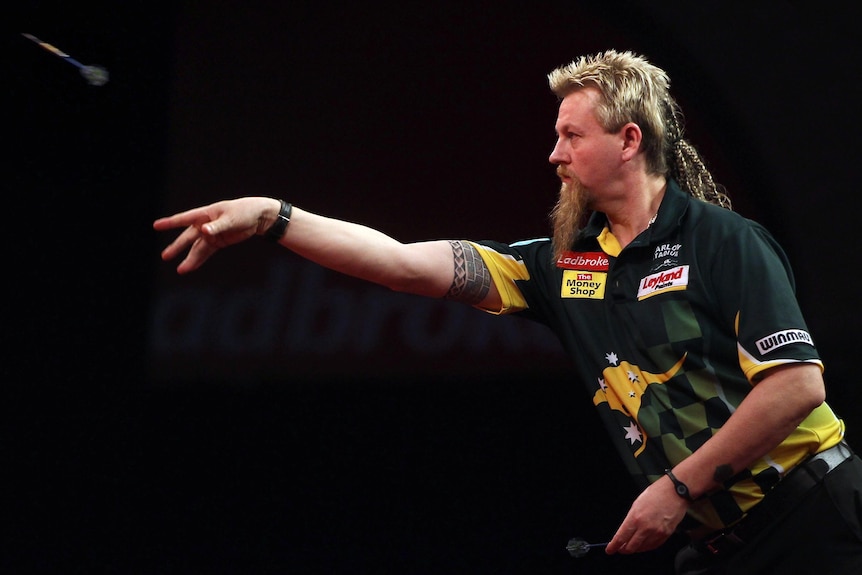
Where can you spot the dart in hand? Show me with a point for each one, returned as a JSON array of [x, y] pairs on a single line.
[[579, 547]]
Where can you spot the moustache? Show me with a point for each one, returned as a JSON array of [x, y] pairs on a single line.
[[563, 173]]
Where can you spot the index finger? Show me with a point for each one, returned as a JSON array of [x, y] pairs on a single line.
[[193, 217], [621, 538]]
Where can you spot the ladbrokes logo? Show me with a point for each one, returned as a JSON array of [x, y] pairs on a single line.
[[589, 261], [670, 280]]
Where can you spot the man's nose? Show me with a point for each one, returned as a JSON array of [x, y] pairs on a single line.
[[557, 156]]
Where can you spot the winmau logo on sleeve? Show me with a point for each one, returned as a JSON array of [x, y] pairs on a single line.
[[781, 338]]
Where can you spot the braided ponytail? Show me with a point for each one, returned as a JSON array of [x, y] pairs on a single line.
[[686, 164]]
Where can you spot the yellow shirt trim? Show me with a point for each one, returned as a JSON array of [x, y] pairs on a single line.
[[505, 270], [609, 242]]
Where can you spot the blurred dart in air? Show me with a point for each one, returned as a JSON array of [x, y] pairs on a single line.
[[94, 75]]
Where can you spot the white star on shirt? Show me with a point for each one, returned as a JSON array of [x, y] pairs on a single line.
[[612, 358], [602, 384], [633, 377], [633, 433]]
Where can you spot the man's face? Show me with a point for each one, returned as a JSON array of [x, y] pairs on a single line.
[[584, 151]]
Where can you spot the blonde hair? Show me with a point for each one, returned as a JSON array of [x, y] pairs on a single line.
[[633, 90]]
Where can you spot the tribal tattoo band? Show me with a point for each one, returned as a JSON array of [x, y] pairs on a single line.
[[472, 279]]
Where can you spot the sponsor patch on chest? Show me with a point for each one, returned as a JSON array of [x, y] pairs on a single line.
[[584, 284], [664, 281], [589, 261]]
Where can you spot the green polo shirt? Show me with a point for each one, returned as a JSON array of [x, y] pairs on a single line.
[[670, 334]]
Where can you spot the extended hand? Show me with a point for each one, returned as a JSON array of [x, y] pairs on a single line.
[[651, 520], [210, 228]]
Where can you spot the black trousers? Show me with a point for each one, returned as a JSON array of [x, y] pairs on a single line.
[[822, 535]]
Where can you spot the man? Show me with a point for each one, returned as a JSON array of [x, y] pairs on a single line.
[[680, 316]]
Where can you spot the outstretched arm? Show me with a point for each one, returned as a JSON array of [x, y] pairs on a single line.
[[422, 268]]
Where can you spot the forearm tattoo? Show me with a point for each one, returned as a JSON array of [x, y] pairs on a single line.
[[472, 279]]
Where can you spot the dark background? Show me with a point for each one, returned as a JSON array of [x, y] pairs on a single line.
[[129, 455]]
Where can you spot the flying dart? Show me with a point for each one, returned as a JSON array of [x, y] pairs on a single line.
[[94, 75]]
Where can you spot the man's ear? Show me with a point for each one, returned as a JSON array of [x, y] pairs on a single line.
[[631, 138]]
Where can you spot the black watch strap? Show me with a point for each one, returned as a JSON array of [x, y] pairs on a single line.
[[277, 229]]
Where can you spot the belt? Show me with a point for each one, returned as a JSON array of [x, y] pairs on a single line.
[[778, 501]]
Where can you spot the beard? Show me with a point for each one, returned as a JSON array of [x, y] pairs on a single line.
[[567, 215]]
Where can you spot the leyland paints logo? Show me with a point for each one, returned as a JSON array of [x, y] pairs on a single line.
[[669, 280]]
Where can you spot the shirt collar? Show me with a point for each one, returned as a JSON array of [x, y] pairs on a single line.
[[673, 205]]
